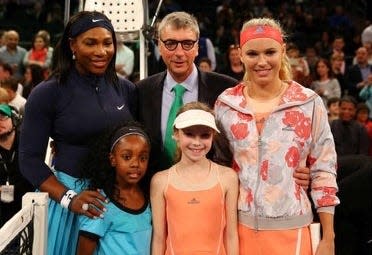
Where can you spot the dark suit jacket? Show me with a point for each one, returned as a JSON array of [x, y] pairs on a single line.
[[350, 137], [150, 92], [353, 220], [354, 76]]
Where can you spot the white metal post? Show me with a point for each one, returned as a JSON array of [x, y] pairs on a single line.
[[40, 201]]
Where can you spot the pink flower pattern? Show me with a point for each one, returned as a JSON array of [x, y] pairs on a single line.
[[303, 128], [326, 201], [239, 130], [292, 117], [249, 197], [298, 121], [294, 93], [264, 170], [292, 157]]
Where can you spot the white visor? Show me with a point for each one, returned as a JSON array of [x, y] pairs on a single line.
[[194, 118]]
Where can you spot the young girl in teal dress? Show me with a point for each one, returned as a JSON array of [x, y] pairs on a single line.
[[116, 167]]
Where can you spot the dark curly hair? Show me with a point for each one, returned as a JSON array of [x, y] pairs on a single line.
[[96, 170]]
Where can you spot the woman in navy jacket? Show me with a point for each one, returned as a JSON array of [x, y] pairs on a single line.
[[82, 98]]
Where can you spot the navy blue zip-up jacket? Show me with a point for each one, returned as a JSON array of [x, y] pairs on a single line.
[[71, 114]]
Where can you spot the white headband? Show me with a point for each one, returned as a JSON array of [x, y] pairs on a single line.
[[195, 117]]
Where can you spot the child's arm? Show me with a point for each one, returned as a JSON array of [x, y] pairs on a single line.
[[231, 183], [86, 245], [326, 244], [90, 232], [158, 183]]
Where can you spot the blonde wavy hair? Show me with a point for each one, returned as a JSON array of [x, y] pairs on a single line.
[[285, 72]]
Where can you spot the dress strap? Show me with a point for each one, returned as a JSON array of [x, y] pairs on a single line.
[[216, 168], [170, 172]]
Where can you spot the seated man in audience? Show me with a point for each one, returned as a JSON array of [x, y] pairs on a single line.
[[15, 99], [357, 75], [349, 135], [12, 184], [13, 54], [333, 105], [205, 65], [6, 72]]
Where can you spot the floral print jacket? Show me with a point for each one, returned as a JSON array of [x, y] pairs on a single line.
[[295, 133]]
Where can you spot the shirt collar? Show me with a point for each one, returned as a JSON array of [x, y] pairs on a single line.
[[190, 83]]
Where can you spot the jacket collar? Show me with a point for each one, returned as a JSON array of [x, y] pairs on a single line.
[[295, 94]]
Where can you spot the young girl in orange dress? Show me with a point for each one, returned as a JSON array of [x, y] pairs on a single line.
[[194, 203]]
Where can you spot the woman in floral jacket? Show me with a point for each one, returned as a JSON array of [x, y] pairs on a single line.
[[275, 125]]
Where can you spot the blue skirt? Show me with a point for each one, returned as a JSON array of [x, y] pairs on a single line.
[[63, 229]]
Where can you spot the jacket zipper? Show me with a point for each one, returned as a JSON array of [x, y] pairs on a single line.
[[259, 143]]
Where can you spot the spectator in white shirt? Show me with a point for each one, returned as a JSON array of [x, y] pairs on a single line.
[[124, 60], [15, 99]]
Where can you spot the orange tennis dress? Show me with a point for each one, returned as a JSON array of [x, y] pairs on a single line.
[[196, 219]]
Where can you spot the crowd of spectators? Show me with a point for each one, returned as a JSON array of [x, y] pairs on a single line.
[[308, 23], [312, 26], [325, 43]]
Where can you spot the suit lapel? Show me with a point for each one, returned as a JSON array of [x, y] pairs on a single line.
[[203, 95], [206, 92], [157, 100]]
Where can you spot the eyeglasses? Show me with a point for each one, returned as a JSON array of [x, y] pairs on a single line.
[[172, 44]]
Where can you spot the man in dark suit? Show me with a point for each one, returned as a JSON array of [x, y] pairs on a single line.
[[178, 46], [350, 136], [357, 75]]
